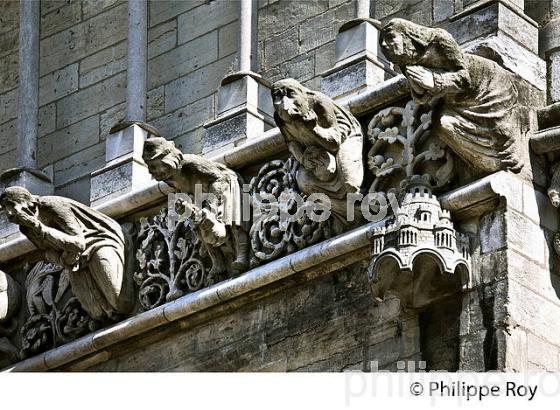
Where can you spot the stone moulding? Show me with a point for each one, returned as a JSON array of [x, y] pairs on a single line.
[[347, 248]]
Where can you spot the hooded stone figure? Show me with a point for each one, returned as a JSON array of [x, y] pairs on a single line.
[[220, 214], [324, 138], [476, 115], [89, 245]]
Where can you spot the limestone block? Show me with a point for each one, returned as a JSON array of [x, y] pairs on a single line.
[[512, 56], [542, 354], [91, 100], [228, 39], [352, 78], [103, 64], [127, 141], [8, 136], [162, 38], [9, 73], [195, 22], [492, 232], [155, 100], [80, 164], [60, 18], [83, 39], [163, 11], [36, 182], [182, 60], [195, 85], [8, 105], [497, 17], [66, 141], [58, 84], [554, 77], [281, 48], [518, 346], [526, 237], [47, 119], [116, 180], [185, 119], [92, 8], [537, 206]]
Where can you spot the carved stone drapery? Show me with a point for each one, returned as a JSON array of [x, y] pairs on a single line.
[[477, 114], [325, 141], [89, 245], [171, 262]]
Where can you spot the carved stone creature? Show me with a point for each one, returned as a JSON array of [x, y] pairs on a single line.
[[324, 138], [89, 246], [477, 115], [220, 216]]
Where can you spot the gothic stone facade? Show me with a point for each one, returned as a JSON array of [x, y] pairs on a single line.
[[447, 109]]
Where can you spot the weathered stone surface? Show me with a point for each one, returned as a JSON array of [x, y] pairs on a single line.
[[492, 232], [162, 38], [103, 64], [47, 119], [66, 141], [155, 100], [65, 15], [196, 85], [228, 39], [79, 165], [8, 105], [58, 84], [110, 118], [280, 48], [554, 80], [195, 22], [186, 119], [492, 19], [83, 39], [91, 100], [526, 237], [92, 8], [182, 60], [162, 11], [9, 74]]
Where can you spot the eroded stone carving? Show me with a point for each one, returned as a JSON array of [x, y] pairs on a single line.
[[55, 314], [89, 246], [477, 115], [274, 236], [218, 219], [403, 147], [9, 306], [171, 262], [418, 255], [325, 139]]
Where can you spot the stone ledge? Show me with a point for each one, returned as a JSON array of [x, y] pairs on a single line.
[[347, 245]]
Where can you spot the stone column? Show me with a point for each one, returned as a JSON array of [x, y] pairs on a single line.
[[26, 173], [550, 50], [359, 61], [124, 170], [244, 102]]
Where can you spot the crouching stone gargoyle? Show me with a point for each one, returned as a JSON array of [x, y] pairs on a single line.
[[324, 138], [477, 114], [218, 218], [89, 245]]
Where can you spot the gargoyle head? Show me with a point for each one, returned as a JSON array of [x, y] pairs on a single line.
[[291, 99], [161, 157], [19, 204], [404, 42]]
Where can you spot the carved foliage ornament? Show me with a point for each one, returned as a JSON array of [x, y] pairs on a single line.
[[171, 262]]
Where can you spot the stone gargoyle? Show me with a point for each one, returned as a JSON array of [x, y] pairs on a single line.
[[324, 138], [219, 217], [476, 115], [89, 245]]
